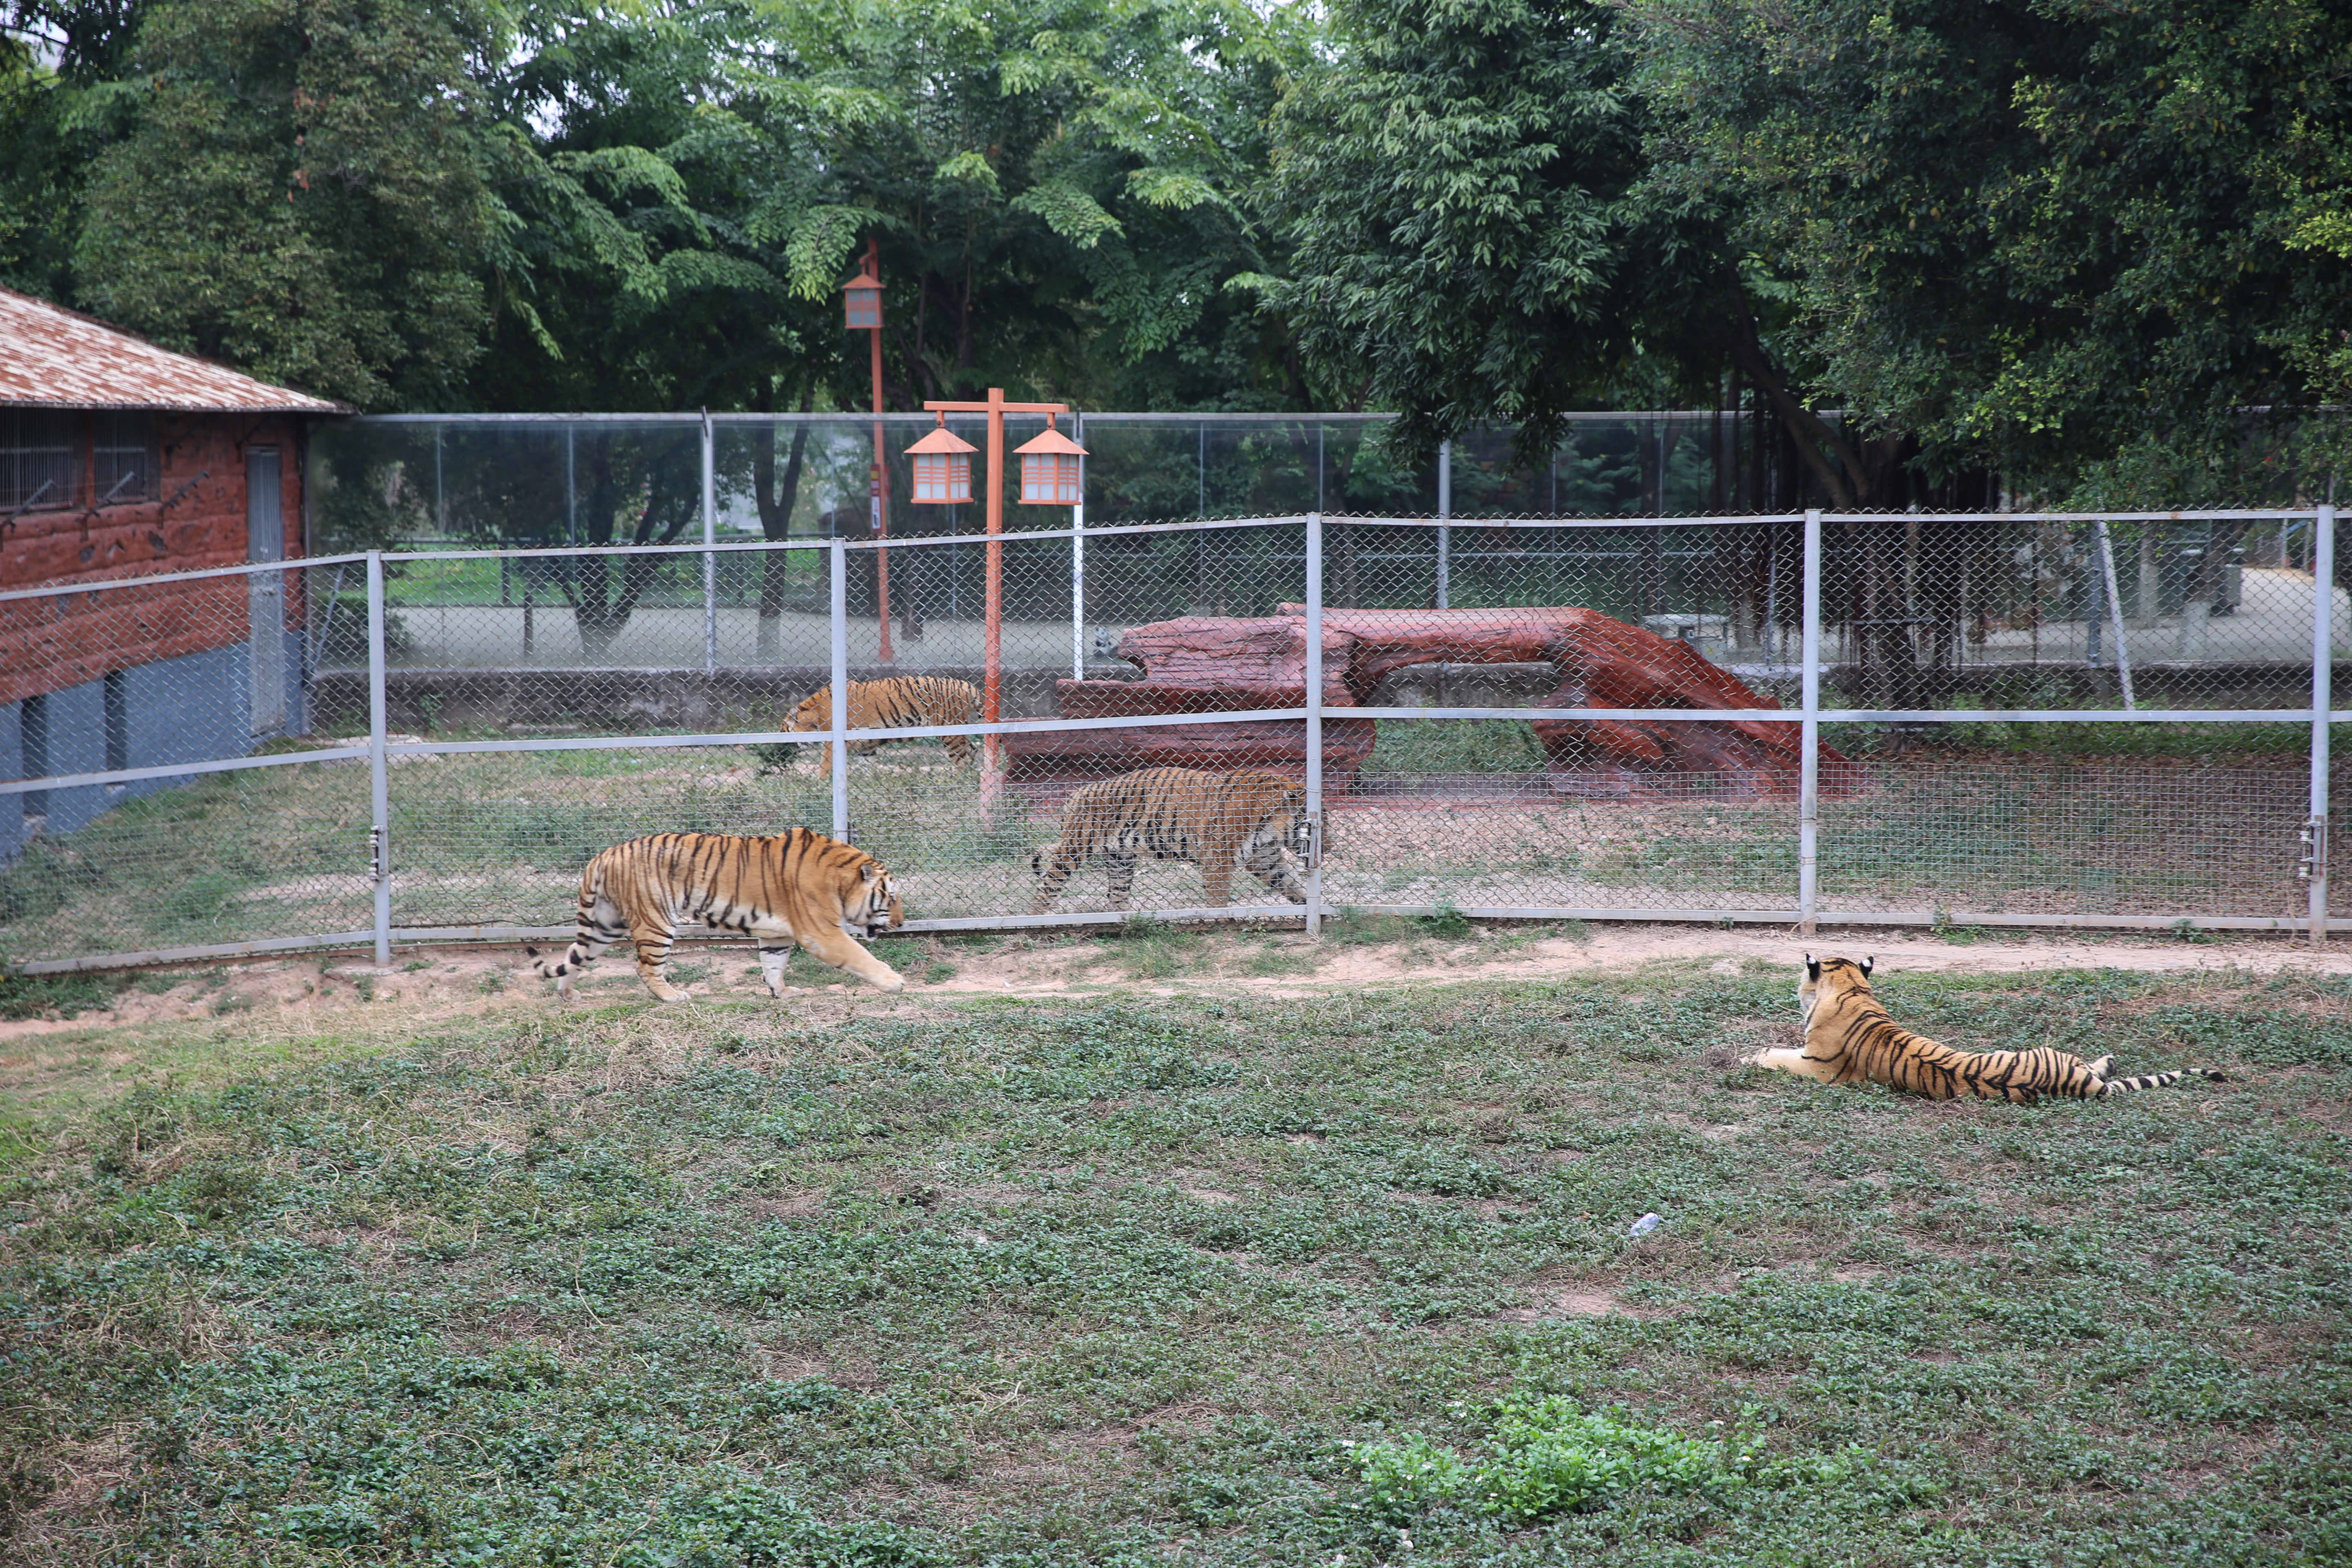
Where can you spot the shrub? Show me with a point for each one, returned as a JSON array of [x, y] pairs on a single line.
[[1545, 1458]]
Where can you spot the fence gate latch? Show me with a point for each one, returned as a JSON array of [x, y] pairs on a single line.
[[375, 854], [2313, 859], [1314, 840]]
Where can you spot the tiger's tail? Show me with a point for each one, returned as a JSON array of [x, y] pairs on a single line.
[[597, 931], [2158, 1080]]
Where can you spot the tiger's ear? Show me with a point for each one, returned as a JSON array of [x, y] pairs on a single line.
[[1866, 963], [1813, 969]]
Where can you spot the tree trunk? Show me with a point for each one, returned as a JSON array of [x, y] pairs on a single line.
[[775, 502], [602, 614]]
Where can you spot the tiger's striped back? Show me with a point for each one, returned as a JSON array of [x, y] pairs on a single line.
[[899, 702], [1850, 1038], [795, 886], [1212, 819]]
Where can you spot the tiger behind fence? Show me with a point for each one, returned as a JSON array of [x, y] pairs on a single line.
[[1178, 813], [900, 703], [795, 885], [1850, 1038]]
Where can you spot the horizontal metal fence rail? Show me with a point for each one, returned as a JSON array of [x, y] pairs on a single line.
[[1511, 823]]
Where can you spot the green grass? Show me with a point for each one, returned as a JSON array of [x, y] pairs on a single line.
[[59, 995], [676, 580], [1455, 746], [2255, 745], [1129, 1281]]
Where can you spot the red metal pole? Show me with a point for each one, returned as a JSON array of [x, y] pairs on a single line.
[[881, 486], [993, 646]]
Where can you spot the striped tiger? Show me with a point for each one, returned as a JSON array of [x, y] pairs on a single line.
[[900, 703], [1178, 813], [1850, 1038], [796, 886]]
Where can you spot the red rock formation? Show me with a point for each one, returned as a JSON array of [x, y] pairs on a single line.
[[1601, 663], [1210, 664]]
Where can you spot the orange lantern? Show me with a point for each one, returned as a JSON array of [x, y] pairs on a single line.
[[862, 296], [1050, 473], [942, 467]]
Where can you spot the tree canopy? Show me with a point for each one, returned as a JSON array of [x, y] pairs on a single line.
[[2076, 241], [2103, 248]]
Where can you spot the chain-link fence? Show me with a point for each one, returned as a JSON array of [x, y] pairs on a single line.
[[1983, 719], [426, 482]]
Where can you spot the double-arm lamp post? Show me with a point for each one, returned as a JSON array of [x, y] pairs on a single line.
[[1050, 476]]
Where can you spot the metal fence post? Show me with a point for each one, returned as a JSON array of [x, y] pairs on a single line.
[[710, 562], [1078, 559], [1444, 534], [2323, 684], [1808, 772], [378, 774], [2116, 612], [838, 747], [1314, 724]]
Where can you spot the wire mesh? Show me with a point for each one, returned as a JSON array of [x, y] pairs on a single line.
[[500, 838], [1463, 813], [144, 672], [2096, 836], [1926, 612], [414, 481], [628, 640], [220, 857], [1514, 713]]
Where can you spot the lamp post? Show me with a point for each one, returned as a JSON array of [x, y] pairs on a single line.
[[1049, 477], [862, 306]]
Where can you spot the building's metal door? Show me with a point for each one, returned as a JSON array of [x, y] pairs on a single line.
[[265, 540]]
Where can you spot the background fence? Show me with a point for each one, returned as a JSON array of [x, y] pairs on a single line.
[[1977, 719], [421, 480]]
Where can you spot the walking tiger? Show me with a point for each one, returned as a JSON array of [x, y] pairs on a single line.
[[1850, 1038], [900, 703], [796, 886], [1178, 813]]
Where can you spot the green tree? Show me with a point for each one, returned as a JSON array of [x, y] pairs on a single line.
[[2074, 240], [303, 193], [60, 105], [1456, 183], [1056, 185], [1477, 233]]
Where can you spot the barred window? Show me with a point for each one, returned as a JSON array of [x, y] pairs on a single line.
[[37, 458], [126, 458]]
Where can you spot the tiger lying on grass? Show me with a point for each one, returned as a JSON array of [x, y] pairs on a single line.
[[796, 886], [1178, 813], [1849, 1039], [900, 703]]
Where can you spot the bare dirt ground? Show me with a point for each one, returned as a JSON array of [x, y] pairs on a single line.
[[313, 990]]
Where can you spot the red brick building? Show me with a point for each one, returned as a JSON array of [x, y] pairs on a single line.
[[120, 459]]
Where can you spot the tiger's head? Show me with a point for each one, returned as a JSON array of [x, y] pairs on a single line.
[[869, 900], [1832, 978], [813, 713], [1274, 799]]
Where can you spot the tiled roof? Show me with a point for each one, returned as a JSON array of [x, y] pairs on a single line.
[[54, 358]]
